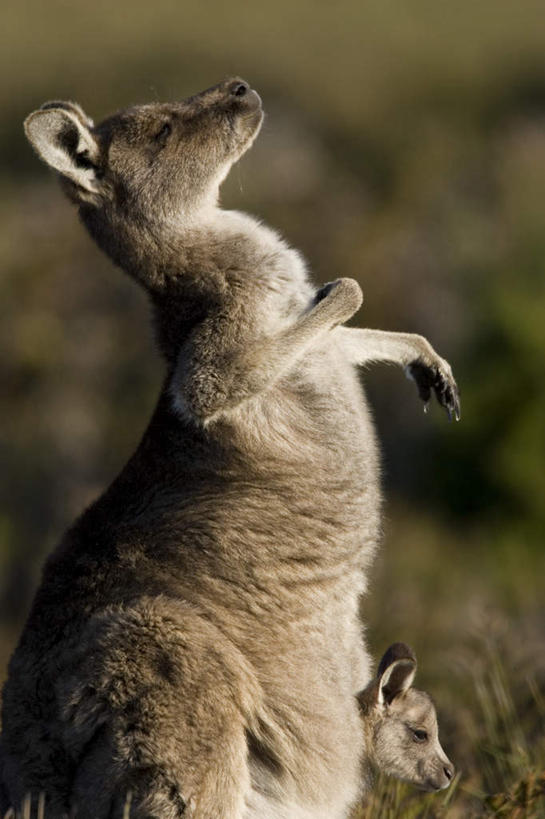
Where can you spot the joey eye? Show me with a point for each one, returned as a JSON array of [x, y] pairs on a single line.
[[164, 133], [420, 736]]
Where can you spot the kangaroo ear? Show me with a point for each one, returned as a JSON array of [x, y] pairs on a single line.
[[61, 135], [395, 672]]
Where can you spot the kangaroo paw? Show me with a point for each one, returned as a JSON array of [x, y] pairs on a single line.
[[439, 378]]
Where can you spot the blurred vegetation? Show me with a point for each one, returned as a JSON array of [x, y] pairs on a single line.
[[405, 146]]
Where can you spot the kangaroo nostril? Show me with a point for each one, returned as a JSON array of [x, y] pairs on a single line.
[[449, 772], [239, 89]]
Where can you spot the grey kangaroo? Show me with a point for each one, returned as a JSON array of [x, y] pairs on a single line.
[[195, 641], [400, 726]]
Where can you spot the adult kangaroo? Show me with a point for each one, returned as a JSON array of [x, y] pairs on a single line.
[[194, 647]]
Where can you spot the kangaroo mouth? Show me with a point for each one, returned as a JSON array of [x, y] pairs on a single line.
[[251, 112], [252, 100], [250, 115], [434, 785]]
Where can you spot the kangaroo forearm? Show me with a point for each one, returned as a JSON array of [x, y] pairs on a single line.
[[412, 352], [228, 379], [234, 379], [223, 388], [366, 346]]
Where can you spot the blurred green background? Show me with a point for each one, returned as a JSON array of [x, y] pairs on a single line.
[[404, 146]]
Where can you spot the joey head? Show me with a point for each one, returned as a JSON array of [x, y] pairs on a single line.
[[400, 724]]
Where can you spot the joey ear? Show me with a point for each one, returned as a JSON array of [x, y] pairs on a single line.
[[395, 672], [61, 135]]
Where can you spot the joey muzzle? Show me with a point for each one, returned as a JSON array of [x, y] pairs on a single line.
[[442, 777]]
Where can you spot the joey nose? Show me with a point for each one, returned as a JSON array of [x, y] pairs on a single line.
[[448, 770]]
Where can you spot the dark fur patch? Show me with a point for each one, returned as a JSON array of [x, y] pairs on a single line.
[[263, 753]]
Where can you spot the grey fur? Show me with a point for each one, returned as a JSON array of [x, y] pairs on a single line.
[[400, 726], [195, 639]]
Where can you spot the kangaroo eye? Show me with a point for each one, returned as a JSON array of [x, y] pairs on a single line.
[[420, 736], [164, 133]]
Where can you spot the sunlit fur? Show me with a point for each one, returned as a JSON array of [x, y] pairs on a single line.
[[195, 639], [400, 726]]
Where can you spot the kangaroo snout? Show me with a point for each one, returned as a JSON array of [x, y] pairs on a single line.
[[443, 777], [244, 95], [235, 93]]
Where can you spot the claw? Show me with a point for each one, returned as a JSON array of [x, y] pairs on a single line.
[[457, 408], [432, 378]]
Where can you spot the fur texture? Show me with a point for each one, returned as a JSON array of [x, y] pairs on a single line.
[[195, 640]]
